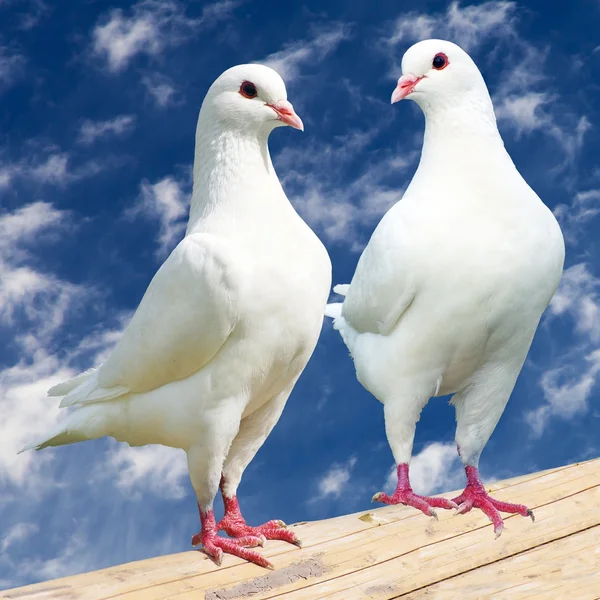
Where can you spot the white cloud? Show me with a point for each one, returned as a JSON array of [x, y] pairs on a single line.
[[91, 131], [23, 289], [566, 390], [158, 469], [289, 60], [73, 558], [167, 201], [436, 469], [161, 89], [337, 201], [334, 482], [25, 224], [524, 112], [33, 13], [40, 302], [149, 27], [468, 26], [573, 217], [579, 296], [35, 304], [52, 168], [11, 65], [568, 386], [16, 534]]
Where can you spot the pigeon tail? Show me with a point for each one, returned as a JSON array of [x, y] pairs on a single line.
[[341, 288], [334, 310], [61, 389], [90, 391], [85, 423]]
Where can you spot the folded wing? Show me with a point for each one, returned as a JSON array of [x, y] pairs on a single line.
[[187, 313], [383, 285]]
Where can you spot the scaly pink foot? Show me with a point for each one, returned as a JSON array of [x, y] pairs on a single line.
[[475, 496], [405, 495], [214, 545], [234, 525]]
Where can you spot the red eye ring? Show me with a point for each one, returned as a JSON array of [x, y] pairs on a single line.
[[440, 61], [248, 90]]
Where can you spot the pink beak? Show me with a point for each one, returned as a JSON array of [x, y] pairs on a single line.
[[406, 84], [285, 112]]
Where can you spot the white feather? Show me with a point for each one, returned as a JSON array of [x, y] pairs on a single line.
[[448, 293], [231, 318]]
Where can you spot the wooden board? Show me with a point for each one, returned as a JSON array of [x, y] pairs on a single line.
[[391, 552]]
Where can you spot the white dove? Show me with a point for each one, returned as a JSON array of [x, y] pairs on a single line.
[[448, 293], [228, 322]]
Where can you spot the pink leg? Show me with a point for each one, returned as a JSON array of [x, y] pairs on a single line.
[[405, 495], [475, 496], [214, 545], [234, 525]]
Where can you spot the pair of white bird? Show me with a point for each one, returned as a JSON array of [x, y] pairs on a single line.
[[446, 298]]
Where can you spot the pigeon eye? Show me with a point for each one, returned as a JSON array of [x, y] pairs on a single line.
[[440, 61], [248, 90]]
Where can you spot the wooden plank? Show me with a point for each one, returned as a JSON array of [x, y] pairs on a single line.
[[445, 558], [174, 574], [378, 545], [566, 568]]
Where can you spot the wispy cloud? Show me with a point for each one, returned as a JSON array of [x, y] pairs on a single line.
[[51, 166], [436, 469], [338, 196], [578, 296], [167, 202], [467, 26], [149, 27], [16, 534], [567, 390], [39, 302], [27, 13], [568, 386], [12, 64], [576, 216], [158, 469], [161, 89], [334, 482], [289, 61], [91, 131]]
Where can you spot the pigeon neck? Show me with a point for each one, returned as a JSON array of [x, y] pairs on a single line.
[[229, 168], [471, 123]]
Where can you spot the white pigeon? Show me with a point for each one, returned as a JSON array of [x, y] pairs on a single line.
[[448, 293], [228, 322]]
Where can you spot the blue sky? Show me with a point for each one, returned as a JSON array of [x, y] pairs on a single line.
[[98, 106]]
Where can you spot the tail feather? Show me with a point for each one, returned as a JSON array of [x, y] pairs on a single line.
[[61, 389], [341, 288], [85, 423], [334, 310]]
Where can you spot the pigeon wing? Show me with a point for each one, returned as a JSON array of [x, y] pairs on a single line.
[[383, 286], [187, 313]]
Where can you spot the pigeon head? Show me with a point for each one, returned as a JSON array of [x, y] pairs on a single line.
[[436, 74], [250, 98]]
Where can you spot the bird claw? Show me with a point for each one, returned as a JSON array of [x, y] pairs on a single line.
[[214, 547], [462, 508], [407, 497], [476, 496]]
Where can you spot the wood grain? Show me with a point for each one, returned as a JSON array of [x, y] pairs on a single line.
[[390, 552]]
